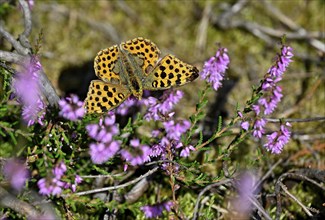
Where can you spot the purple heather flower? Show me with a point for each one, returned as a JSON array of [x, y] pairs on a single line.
[[71, 108], [77, 181], [124, 108], [162, 107], [16, 173], [154, 211], [59, 170], [214, 69], [50, 186], [53, 185], [258, 128], [34, 113], [105, 130], [158, 150], [272, 93], [245, 187], [245, 125], [31, 4], [102, 152], [277, 140], [138, 154], [172, 140], [175, 130], [186, 151], [26, 88]]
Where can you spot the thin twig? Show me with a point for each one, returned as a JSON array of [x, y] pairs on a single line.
[[295, 119], [9, 201], [259, 207], [115, 187], [201, 36], [27, 24], [292, 25], [284, 188], [207, 188], [11, 57], [18, 47], [279, 184], [268, 173]]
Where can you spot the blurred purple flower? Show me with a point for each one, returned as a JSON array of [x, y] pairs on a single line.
[[163, 106], [71, 108], [34, 113], [245, 187], [277, 140], [16, 173], [102, 152], [31, 4], [154, 211], [26, 88], [138, 154], [214, 69]]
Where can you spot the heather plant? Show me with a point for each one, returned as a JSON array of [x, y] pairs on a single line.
[[144, 159]]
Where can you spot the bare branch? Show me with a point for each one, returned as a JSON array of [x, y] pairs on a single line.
[[275, 120], [9, 201], [23, 38], [201, 35], [116, 187], [293, 26], [207, 188], [48, 89], [284, 188], [20, 49], [297, 176], [11, 57], [226, 21], [27, 18], [259, 208]]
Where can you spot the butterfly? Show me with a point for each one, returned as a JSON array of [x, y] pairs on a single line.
[[130, 68]]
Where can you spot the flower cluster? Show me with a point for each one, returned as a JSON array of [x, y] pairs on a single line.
[[171, 141], [272, 94], [138, 153], [214, 69], [54, 185], [157, 109], [26, 88], [16, 173], [278, 139], [105, 147], [154, 211], [71, 108]]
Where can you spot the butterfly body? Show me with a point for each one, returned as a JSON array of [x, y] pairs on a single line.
[[130, 68]]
